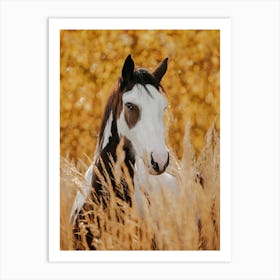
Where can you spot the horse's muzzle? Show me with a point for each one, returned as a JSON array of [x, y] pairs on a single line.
[[159, 163]]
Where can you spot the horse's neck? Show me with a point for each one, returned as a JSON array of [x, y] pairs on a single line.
[[104, 153], [105, 160], [146, 184], [107, 157]]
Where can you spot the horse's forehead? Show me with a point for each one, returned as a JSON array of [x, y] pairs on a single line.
[[139, 94]]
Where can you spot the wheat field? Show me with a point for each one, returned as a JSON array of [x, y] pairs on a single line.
[[90, 63]]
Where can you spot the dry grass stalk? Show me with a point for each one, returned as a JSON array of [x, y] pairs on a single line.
[[186, 220]]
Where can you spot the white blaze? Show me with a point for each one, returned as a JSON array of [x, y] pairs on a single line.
[[148, 135]]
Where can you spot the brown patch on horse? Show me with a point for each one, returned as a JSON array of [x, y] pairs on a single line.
[[131, 115]]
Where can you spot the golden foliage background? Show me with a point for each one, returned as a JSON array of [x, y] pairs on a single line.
[[91, 61]]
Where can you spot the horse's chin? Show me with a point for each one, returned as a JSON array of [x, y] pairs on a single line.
[[153, 172], [143, 164]]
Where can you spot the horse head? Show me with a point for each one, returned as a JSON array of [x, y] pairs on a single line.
[[141, 116]]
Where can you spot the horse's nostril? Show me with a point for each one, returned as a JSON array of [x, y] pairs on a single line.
[[167, 162], [154, 164]]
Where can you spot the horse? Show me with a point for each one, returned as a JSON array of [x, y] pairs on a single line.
[[133, 116]]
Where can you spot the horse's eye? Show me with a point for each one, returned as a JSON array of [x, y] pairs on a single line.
[[129, 106]]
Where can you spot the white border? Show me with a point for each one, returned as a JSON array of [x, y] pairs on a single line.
[[24, 109], [55, 254]]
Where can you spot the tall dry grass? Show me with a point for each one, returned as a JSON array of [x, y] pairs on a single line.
[[188, 219]]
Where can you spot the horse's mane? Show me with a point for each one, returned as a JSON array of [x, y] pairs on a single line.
[[113, 103]]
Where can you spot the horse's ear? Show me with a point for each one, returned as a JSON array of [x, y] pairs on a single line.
[[160, 70], [128, 69]]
